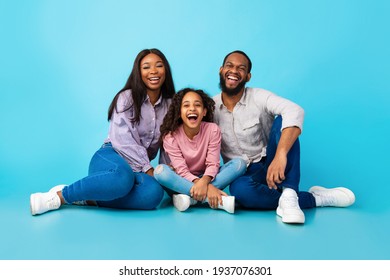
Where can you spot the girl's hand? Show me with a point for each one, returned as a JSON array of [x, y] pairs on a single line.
[[214, 196], [199, 189]]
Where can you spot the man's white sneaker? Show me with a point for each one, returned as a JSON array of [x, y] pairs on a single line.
[[336, 197], [43, 202], [289, 208], [182, 201], [228, 204]]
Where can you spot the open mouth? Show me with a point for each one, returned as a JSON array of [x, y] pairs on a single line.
[[232, 79], [192, 117], [154, 80]]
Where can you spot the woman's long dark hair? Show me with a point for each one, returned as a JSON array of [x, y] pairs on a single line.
[[172, 119], [138, 88]]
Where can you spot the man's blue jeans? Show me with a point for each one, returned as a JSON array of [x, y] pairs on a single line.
[[112, 183], [251, 189], [174, 183]]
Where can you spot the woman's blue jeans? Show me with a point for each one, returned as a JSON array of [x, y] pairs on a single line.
[[112, 183], [251, 189], [174, 183]]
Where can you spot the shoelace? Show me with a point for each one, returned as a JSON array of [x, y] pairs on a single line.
[[327, 199], [52, 203], [291, 202]]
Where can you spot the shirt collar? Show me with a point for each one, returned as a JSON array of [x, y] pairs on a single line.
[[242, 101], [220, 101], [147, 99]]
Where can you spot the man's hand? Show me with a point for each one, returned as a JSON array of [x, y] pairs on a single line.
[[277, 168], [275, 173]]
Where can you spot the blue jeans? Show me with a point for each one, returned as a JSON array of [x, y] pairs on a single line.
[[112, 183], [251, 189], [174, 183]]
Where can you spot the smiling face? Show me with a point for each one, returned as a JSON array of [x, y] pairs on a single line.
[[152, 72], [234, 74], [192, 111]]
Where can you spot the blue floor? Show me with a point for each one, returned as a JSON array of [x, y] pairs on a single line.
[[76, 232]]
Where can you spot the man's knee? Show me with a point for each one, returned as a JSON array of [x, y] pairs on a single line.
[[251, 194], [239, 186]]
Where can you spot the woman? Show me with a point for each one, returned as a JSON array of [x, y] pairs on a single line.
[[192, 142], [120, 173]]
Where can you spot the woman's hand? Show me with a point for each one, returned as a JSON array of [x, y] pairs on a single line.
[[150, 172]]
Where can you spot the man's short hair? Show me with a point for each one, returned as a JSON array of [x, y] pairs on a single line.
[[244, 54]]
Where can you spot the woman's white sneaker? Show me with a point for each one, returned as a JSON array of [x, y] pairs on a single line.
[[60, 187], [57, 188], [43, 202]]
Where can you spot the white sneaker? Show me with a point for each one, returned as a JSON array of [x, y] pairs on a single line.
[[60, 187], [182, 201], [57, 188], [228, 204], [336, 197], [289, 208], [43, 202]]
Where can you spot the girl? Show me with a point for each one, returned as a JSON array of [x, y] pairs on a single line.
[[120, 172], [192, 142]]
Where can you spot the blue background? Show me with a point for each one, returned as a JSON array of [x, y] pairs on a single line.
[[63, 61]]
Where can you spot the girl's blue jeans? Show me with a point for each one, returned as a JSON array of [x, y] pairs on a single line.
[[251, 189], [112, 183], [174, 183]]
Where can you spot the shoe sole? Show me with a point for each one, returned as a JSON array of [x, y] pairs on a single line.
[[290, 219], [348, 192], [230, 210], [32, 205]]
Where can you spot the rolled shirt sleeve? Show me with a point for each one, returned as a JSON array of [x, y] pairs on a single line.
[[292, 114]]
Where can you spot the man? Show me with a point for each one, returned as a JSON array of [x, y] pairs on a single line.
[[263, 129]]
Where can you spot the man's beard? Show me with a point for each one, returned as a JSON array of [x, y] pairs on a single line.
[[232, 91]]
